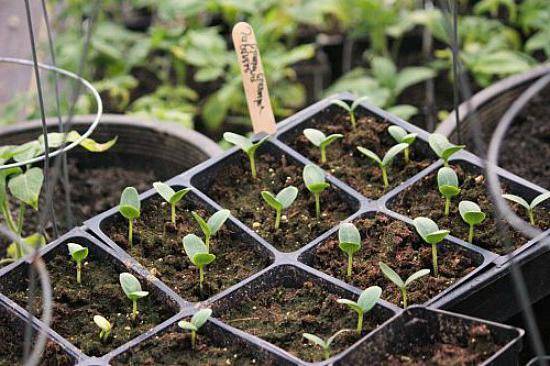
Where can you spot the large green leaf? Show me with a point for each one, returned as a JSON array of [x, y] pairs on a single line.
[[287, 196], [539, 199], [131, 286], [415, 276], [130, 206], [314, 178], [316, 137], [391, 275], [410, 76], [164, 190], [471, 213], [242, 142], [517, 199], [201, 317], [77, 251], [193, 245], [203, 224], [393, 152], [271, 200], [369, 298], [26, 187], [216, 221], [4, 174], [370, 154]]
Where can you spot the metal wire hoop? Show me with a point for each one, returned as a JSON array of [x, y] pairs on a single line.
[[71, 75]]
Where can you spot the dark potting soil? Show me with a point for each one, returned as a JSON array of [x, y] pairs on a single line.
[[398, 245], [235, 189], [74, 305], [93, 190], [11, 346], [158, 247], [345, 162], [423, 199], [526, 147], [450, 349], [173, 347], [280, 315]]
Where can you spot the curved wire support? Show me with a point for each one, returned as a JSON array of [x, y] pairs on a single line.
[[69, 74]]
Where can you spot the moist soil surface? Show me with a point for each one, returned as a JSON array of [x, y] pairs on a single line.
[[526, 147], [395, 243], [93, 190], [157, 245], [345, 162], [423, 199], [450, 349], [235, 189], [11, 347], [174, 348], [74, 305], [280, 315]]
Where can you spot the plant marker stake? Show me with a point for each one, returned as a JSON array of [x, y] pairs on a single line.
[[255, 85]]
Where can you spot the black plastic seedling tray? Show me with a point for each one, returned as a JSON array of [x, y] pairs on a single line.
[[419, 327]]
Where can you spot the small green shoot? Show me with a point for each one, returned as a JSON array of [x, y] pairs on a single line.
[[171, 196], [247, 146], [197, 321], [320, 140], [443, 148], [130, 208], [396, 279], [364, 304], [198, 254], [530, 207], [430, 233], [314, 179], [472, 215], [105, 327], [132, 288], [78, 253], [402, 137], [386, 161], [325, 345], [447, 181], [350, 108], [213, 225], [281, 201], [350, 242]]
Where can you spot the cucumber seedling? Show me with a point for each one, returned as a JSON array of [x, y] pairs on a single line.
[[130, 208], [530, 207], [472, 215], [430, 233], [246, 145], [211, 226], [349, 242], [350, 108], [385, 162], [447, 182], [325, 345], [314, 179], [171, 196], [443, 148], [364, 304], [403, 137], [198, 254], [105, 327], [197, 321], [281, 201], [397, 281], [321, 140], [78, 253], [132, 288]]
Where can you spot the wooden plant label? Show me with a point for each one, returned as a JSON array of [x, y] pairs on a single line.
[[255, 85]]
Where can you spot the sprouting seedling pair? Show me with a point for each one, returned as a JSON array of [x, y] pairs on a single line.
[[132, 288], [350, 108], [314, 179], [197, 321], [349, 242], [447, 182], [443, 148], [471, 214], [319, 139], [386, 161], [105, 327], [530, 207], [171, 196], [79, 253], [130, 208], [430, 233], [403, 137], [246, 145], [364, 304], [281, 201], [397, 281], [211, 226], [198, 254], [325, 345]]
